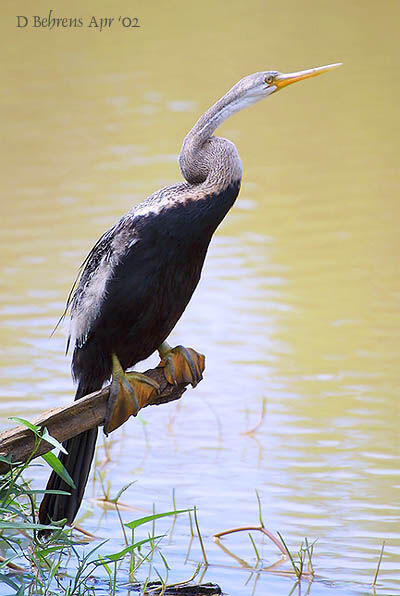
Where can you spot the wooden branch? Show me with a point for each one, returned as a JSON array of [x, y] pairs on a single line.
[[262, 529], [70, 420]]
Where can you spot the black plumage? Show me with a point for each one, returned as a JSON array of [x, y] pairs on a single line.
[[151, 284], [152, 260]]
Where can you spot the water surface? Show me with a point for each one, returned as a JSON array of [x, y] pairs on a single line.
[[298, 304]]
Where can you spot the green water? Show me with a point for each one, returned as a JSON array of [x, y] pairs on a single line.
[[298, 303]]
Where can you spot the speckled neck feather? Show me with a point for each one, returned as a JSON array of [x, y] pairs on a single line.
[[212, 161]]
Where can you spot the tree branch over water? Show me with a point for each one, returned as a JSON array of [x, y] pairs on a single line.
[[68, 421]]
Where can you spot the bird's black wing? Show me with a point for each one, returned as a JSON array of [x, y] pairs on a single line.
[[96, 270]]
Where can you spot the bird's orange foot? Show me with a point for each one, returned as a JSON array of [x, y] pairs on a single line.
[[181, 365], [129, 392]]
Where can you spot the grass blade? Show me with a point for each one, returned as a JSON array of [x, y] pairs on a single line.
[[59, 469], [143, 520]]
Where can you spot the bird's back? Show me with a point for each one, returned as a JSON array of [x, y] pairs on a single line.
[[141, 274]]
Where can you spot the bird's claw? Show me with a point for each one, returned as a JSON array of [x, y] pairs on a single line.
[[129, 392], [182, 365]]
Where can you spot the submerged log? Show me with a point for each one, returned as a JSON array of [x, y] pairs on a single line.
[[156, 588], [68, 421]]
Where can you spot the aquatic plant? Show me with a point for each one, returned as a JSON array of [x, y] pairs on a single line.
[[47, 559]]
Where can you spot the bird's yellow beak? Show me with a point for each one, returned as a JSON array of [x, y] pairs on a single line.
[[282, 80]]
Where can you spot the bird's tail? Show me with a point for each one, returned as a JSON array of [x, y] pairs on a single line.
[[78, 461]]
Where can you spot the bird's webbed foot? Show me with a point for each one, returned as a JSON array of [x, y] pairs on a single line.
[[181, 365], [129, 392]]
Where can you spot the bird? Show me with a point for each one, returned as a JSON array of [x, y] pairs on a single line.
[[139, 277]]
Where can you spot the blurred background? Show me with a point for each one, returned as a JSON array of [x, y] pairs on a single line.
[[298, 307]]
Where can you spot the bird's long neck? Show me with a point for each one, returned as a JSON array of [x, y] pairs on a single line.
[[209, 160]]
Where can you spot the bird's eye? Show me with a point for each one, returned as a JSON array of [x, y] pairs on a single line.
[[269, 79]]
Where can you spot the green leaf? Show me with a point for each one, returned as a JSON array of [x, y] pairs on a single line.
[[46, 436], [25, 526], [167, 567], [295, 568], [123, 489], [59, 469], [6, 562], [26, 423], [143, 520], [47, 491], [106, 567], [45, 551], [11, 509], [54, 569], [43, 434], [128, 549], [6, 459], [97, 547], [8, 581]]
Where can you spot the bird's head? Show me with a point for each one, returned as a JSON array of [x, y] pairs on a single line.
[[256, 86], [247, 91]]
